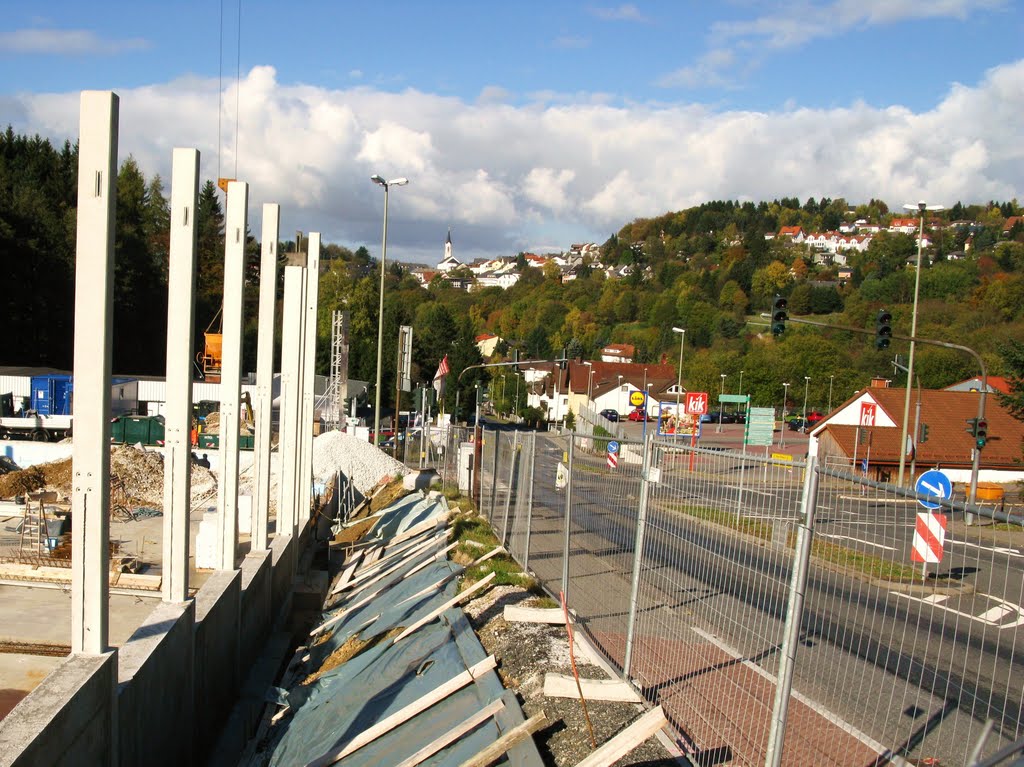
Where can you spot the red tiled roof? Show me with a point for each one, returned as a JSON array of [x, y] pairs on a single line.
[[792, 230], [606, 376], [946, 414]]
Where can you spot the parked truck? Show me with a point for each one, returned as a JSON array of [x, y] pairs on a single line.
[[46, 414]]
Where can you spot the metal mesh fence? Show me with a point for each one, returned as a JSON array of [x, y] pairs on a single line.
[[890, 662]]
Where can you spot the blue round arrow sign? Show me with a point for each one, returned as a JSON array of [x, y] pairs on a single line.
[[935, 483], [613, 446]]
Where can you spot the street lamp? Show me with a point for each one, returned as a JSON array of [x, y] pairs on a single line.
[[785, 399], [721, 394], [922, 207], [380, 311], [679, 381], [740, 392], [618, 405], [647, 403], [807, 382], [830, 393]]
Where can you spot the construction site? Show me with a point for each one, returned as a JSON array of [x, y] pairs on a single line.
[[173, 591]]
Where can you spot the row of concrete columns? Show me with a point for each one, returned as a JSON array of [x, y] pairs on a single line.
[[92, 374]]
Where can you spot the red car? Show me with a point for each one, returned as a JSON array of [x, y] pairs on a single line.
[[638, 415]]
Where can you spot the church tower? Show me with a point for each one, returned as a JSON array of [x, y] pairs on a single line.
[[449, 261], [448, 246]]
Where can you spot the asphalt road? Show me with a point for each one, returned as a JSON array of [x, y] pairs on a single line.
[[899, 667]]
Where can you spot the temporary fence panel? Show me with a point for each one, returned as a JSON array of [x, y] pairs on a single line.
[[885, 663]]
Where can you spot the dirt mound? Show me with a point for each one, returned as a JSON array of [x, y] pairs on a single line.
[[138, 474]]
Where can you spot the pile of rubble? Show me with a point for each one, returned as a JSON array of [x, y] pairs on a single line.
[[362, 463], [138, 472]]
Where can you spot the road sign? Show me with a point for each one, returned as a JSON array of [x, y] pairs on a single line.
[[868, 410], [637, 398], [760, 425], [736, 398], [929, 537], [936, 483], [696, 402], [613, 446], [782, 457], [613, 460]]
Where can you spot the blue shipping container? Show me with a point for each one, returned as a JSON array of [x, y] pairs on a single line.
[[51, 394]]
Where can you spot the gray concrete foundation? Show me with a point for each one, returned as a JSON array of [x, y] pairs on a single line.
[[256, 615], [155, 688], [67, 720], [216, 634]]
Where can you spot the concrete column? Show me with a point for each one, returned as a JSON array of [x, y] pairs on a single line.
[[290, 401], [181, 304], [305, 486], [94, 278], [265, 375], [231, 370]]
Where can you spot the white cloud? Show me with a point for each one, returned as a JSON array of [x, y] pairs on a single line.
[[65, 42], [503, 176], [708, 72], [796, 23], [624, 12]]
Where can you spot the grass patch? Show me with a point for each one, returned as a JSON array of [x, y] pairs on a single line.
[[867, 564], [1006, 527], [476, 539], [755, 527]]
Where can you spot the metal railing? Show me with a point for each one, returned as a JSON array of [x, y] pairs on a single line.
[[772, 607]]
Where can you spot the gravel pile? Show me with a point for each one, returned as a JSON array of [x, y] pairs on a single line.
[[356, 458]]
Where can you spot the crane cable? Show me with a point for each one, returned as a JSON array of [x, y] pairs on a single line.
[[220, 86]]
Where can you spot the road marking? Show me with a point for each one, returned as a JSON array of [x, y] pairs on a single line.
[[869, 499], [858, 540], [994, 549], [750, 490], [990, 617], [935, 598], [819, 709]]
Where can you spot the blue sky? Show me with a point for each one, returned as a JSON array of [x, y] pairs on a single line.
[[528, 126]]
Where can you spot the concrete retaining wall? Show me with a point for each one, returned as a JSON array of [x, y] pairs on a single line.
[[282, 553], [256, 615], [155, 690], [67, 720], [216, 656]]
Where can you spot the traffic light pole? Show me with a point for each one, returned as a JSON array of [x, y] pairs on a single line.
[[976, 451]]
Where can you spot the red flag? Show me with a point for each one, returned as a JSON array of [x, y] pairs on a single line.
[[439, 376]]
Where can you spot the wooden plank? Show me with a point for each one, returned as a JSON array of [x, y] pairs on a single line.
[[616, 748], [495, 751], [403, 550], [454, 734], [422, 703], [373, 574], [564, 686], [515, 614], [450, 603], [455, 574], [351, 564]]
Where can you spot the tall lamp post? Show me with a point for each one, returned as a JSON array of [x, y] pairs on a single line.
[[807, 383], [721, 394], [618, 405], [830, 393], [590, 383], [646, 405], [380, 311], [679, 381], [922, 207], [738, 405]]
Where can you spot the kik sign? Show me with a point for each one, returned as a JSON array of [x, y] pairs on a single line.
[[697, 402], [868, 411]]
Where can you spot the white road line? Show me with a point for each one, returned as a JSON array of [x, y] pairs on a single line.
[[843, 725], [994, 549], [751, 490], [989, 617], [858, 540], [935, 598]]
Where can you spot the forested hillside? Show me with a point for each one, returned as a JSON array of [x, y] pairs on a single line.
[[708, 269]]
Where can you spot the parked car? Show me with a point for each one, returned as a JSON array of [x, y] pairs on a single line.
[[713, 417], [799, 424], [609, 414], [639, 415]]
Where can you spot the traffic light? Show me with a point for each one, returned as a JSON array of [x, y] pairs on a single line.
[[779, 316], [922, 433], [980, 432], [883, 330]]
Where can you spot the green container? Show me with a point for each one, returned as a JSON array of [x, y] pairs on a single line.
[[212, 441], [147, 429]]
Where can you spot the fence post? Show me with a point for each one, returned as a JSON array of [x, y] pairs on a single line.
[[508, 492], [638, 554], [794, 615], [529, 502], [494, 475], [568, 523]]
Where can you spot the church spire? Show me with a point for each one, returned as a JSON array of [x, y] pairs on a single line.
[[448, 245]]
